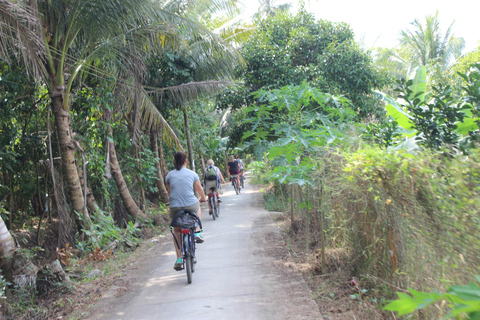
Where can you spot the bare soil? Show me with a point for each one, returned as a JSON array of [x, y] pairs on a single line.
[[338, 292]]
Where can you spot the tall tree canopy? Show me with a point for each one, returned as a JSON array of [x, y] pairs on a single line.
[[290, 48]]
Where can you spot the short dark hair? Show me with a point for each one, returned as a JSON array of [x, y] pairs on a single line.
[[179, 158]]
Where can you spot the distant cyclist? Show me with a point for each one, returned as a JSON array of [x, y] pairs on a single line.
[[240, 165], [234, 169], [181, 185], [212, 179]]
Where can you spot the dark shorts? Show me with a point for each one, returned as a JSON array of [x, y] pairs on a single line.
[[234, 172], [194, 207]]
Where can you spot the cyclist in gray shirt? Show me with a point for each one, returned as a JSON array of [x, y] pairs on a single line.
[[181, 185]]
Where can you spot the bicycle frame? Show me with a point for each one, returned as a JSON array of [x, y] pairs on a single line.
[[187, 238]]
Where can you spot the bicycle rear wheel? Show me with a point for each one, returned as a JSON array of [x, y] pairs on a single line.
[[188, 258], [211, 200], [241, 182], [235, 186]]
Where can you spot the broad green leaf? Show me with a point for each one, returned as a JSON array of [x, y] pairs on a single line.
[[419, 85], [404, 305], [468, 124], [399, 115], [406, 132], [470, 292], [384, 97]]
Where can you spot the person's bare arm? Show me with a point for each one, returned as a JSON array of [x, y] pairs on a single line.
[[221, 176], [168, 189], [199, 189]]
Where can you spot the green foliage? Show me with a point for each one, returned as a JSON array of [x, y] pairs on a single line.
[[22, 134], [299, 120], [260, 172], [273, 202], [289, 49], [433, 119], [103, 231], [144, 167], [463, 301], [472, 88]]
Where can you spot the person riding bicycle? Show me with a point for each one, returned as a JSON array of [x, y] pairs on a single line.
[[240, 165], [234, 169], [181, 185], [212, 179]]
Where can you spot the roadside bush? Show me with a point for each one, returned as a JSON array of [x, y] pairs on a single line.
[[412, 221]]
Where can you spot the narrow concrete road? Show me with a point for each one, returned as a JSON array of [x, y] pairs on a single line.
[[240, 274]]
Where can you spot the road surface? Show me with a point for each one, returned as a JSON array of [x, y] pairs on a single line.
[[241, 273]]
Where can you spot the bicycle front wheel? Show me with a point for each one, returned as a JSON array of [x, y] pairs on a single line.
[[216, 211]]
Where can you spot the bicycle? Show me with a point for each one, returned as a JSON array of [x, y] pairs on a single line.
[[233, 178], [242, 181], [187, 221], [214, 204]]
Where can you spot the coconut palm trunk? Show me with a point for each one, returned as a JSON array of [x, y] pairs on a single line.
[[162, 159], [162, 190], [127, 199], [67, 148]]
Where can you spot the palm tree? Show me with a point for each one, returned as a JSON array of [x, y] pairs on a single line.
[[67, 36], [59, 39], [426, 43]]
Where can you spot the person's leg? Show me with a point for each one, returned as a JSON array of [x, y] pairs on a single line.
[[199, 214], [176, 234], [208, 186]]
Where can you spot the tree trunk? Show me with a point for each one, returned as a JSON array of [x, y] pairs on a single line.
[[202, 163], [162, 159], [189, 140], [292, 205], [91, 202], [226, 164], [322, 226], [162, 190], [67, 147], [143, 205], [7, 246], [127, 199]]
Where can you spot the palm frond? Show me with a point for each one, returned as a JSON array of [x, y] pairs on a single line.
[[186, 92], [151, 118], [20, 34], [136, 103]]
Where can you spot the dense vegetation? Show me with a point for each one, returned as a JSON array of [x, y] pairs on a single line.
[[374, 154]]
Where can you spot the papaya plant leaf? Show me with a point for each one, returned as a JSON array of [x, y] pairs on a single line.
[[468, 125]]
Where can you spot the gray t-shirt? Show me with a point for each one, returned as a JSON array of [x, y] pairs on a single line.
[[181, 182]]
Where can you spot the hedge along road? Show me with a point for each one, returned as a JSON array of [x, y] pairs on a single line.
[[241, 273]]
